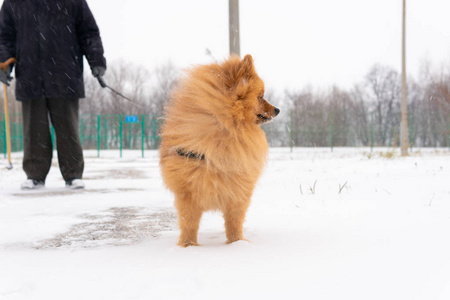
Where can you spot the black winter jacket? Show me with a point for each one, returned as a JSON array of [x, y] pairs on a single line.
[[48, 38]]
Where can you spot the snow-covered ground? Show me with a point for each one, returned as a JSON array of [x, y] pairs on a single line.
[[347, 224]]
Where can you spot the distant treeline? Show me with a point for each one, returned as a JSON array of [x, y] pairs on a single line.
[[366, 114]]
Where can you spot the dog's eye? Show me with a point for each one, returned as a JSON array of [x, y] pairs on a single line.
[[261, 98]]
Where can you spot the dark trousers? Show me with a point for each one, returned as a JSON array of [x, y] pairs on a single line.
[[37, 143]]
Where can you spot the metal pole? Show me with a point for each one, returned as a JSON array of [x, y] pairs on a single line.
[[142, 134], [14, 137], [233, 15], [52, 135], [292, 133], [411, 130], [106, 133], [371, 131], [20, 136], [121, 134], [404, 113], [130, 135], [331, 130], [154, 136], [98, 135], [81, 132]]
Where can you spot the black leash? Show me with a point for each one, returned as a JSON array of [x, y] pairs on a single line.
[[190, 154], [104, 85]]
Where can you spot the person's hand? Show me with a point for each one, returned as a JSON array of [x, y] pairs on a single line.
[[98, 71], [5, 76]]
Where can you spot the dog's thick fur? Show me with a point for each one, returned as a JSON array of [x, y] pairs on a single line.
[[213, 149]]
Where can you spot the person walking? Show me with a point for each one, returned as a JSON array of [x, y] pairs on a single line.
[[48, 39]]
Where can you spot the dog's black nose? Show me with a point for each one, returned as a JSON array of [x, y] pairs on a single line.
[[277, 111]]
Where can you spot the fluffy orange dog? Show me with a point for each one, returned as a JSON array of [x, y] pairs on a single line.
[[213, 149]]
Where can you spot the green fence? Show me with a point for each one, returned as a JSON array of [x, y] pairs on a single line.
[[291, 130], [119, 132], [332, 130], [100, 132], [15, 123]]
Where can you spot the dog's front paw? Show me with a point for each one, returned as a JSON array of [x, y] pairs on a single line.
[[237, 240], [187, 244]]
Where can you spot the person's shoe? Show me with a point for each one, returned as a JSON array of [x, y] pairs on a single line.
[[32, 184], [75, 184]]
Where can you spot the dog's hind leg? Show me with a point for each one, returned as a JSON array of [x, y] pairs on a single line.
[[189, 215]]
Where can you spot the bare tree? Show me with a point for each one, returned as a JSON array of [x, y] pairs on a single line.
[[361, 118], [310, 118], [343, 116], [383, 87], [165, 79]]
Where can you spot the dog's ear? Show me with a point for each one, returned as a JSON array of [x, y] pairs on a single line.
[[246, 67], [238, 72]]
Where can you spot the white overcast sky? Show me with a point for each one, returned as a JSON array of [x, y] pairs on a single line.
[[295, 43]]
